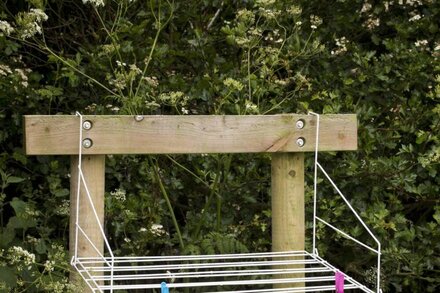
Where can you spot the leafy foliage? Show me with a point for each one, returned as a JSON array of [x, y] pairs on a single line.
[[376, 59]]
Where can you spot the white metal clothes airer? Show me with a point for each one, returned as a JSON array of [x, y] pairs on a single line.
[[294, 271]]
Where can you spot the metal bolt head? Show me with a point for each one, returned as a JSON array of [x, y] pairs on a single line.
[[87, 143], [87, 125], [301, 142], [138, 118], [300, 124]]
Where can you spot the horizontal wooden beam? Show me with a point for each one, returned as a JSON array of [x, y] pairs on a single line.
[[59, 134]]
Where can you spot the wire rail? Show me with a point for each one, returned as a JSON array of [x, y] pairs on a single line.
[[295, 271], [241, 272]]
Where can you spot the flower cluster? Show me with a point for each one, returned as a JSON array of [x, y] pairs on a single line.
[[315, 21], [119, 194], [422, 44], [20, 258], [233, 84], [64, 208], [58, 286], [157, 230], [371, 23], [173, 98], [251, 107], [5, 28], [294, 10], [5, 70], [341, 44], [151, 81], [265, 3], [22, 73], [124, 75], [415, 17], [96, 3], [29, 23]]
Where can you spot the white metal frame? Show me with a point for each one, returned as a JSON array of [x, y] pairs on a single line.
[[239, 273]]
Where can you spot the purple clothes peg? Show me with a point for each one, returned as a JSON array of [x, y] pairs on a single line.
[[339, 282]]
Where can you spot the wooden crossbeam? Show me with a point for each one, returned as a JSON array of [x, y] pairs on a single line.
[[112, 134]]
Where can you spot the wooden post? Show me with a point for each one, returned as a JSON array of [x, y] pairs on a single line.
[[94, 170], [288, 230]]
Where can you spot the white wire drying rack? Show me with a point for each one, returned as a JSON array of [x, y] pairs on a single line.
[[294, 271]]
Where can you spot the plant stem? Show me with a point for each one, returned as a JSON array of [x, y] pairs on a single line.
[[153, 47], [167, 199], [207, 204], [219, 212], [79, 71]]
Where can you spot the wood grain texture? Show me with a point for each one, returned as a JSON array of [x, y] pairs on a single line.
[[58, 134], [288, 218], [94, 172]]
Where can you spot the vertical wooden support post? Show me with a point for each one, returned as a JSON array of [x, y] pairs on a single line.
[[94, 171], [288, 231]]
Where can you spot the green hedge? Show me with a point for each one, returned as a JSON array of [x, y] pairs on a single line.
[[377, 59]]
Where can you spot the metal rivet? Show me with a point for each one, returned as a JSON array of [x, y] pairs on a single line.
[[301, 142], [300, 124], [87, 143], [87, 125], [138, 118]]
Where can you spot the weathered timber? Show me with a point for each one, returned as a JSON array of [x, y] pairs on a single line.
[[94, 171], [288, 218], [58, 134]]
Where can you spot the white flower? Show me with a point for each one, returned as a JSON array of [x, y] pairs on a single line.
[[29, 23], [18, 256], [371, 23], [265, 2], [120, 64], [39, 14], [295, 10], [341, 44], [5, 70], [119, 194], [233, 84], [95, 3], [151, 81], [251, 107], [64, 208], [421, 43], [415, 17], [5, 28], [315, 21], [49, 265], [157, 229], [135, 69], [366, 7]]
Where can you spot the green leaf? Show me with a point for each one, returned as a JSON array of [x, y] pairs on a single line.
[[21, 223], [436, 216], [61, 192], [41, 247], [14, 179], [6, 237], [7, 275], [18, 205]]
